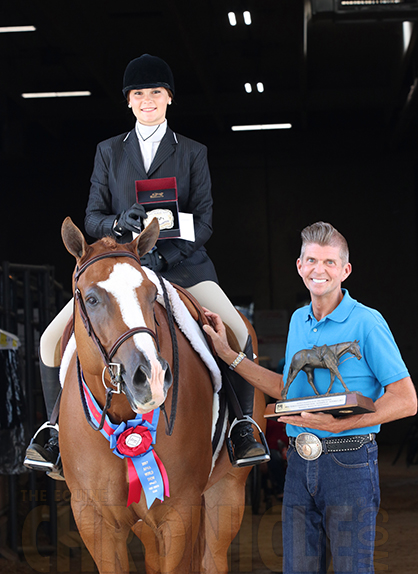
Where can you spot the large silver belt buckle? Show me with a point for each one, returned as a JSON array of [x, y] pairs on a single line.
[[308, 446], [165, 218]]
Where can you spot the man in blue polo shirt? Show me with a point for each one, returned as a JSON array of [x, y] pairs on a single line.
[[331, 493]]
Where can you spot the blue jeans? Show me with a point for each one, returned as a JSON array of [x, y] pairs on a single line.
[[331, 501]]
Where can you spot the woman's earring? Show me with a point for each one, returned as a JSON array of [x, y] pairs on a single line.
[[169, 103], [129, 106]]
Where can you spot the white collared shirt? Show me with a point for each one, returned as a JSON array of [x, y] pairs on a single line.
[[149, 138]]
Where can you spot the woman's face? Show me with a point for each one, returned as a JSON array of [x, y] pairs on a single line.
[[149, 105]]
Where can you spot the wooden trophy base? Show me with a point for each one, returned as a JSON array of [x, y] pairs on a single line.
[[338, 405]]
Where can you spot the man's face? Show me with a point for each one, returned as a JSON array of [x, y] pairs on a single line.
[[322, 270]]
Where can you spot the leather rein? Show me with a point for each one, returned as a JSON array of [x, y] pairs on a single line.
[[114, 368]]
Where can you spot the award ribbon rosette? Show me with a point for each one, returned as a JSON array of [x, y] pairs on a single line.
[[133, 440]]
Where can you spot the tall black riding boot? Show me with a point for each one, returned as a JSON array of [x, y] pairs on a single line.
[[47, 458], [247, 451]]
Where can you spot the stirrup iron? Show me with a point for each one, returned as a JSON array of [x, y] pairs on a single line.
[[250, 461]]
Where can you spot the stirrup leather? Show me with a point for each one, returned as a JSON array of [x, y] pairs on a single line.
[[253, 460]]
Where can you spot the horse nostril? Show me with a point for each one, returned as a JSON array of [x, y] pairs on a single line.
[[141, 376], [168, 378]]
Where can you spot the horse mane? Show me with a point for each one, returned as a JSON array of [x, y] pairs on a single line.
[[110, 243], [107, 244]]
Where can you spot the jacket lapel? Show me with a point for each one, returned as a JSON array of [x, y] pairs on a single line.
[[133, 151], [166, 148]]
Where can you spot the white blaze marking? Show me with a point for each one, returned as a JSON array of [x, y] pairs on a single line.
[[122, 284]]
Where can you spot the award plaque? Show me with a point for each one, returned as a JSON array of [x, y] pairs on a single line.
[[338, 404]]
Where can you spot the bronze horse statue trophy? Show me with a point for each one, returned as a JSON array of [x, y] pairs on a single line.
[[120, 361], [320, 357]]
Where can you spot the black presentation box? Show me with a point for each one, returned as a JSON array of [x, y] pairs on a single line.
[[160, 194]]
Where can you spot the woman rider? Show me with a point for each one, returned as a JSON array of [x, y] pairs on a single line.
[[152, 150]]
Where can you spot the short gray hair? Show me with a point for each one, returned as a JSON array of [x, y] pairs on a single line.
[[326, 235]]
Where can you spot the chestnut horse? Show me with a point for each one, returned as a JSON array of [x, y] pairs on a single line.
[[117, 321]]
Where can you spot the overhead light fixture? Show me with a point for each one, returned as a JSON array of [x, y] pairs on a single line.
[[357, 10], [247, 17], [407, 28], [5, 29], [29, 95], [369, 2], [258, 127], [232, 18], [248, 87]]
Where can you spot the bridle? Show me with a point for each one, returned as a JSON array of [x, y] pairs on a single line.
[[107, 356], [114, 368]]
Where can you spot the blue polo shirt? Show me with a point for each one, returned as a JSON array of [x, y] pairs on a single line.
[[381, 363]]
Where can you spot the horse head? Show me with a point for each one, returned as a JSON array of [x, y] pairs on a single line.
[[355, 350], [114, 319]]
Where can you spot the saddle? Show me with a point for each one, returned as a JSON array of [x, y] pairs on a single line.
[[196, 311]]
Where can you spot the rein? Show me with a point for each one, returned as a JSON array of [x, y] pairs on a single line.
[[169, 425], [116, 378]]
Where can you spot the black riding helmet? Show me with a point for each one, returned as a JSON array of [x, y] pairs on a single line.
[[147, 72]]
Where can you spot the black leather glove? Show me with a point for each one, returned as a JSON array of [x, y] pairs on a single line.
[[130, 220], [153, 261]]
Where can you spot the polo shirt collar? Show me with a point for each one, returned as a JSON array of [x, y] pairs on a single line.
[[340, 313]]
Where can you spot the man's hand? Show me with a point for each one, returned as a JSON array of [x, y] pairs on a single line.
[[320, 421], [217, 332], [269, 382]]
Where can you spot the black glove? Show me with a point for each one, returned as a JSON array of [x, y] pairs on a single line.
[[130, 220], [153, 261]]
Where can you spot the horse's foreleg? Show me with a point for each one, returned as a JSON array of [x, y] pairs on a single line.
[[333, 369], [169, 534], [105, 534], [342, 382], [224, 510]]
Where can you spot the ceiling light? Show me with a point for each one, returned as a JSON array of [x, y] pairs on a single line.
[[369, 2], [248, 88], [232, 18], [247, 17], [257, 127], [407, 29], [29, 95], [4, 29], [357, 10], [260, 87]]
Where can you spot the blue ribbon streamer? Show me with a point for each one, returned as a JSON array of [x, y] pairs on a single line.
[[145, 464]]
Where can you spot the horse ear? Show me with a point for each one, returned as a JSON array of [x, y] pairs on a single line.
[[73, 238], [148, 238]]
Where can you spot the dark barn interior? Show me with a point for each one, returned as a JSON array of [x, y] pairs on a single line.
[[343, 74], [346, 84]]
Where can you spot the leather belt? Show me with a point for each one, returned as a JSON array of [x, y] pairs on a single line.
[[310, 447]]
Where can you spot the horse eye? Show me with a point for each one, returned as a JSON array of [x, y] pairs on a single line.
[[91, 300]]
